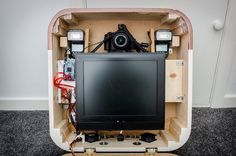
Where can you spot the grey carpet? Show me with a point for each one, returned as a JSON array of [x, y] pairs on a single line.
[[27, 133]]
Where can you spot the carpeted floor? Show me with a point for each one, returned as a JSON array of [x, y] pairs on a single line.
[[27, 133]]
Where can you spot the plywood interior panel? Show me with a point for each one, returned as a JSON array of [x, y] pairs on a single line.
[[182, 113], [174, 78], [170, 112], [98, 28], [86, 40], [56, 55]]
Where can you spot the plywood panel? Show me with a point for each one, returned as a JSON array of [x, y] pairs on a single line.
[[63, 42], [86, 40], [169, 18], [170, 112], [152, 37], [98, 28], [173, 90], [182, 108], [57, 109]]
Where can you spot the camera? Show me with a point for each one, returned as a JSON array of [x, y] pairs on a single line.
[[122, 41], [118, 41]]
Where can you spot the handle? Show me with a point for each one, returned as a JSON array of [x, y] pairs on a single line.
[[218, 25]]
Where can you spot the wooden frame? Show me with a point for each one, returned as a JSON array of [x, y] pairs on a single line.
[[178, 74]]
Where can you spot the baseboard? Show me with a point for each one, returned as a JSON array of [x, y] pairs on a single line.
[[197, 105], [26, 104], [226, 105]]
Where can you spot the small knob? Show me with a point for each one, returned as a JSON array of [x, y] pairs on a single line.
[[120, 137], [218, 25]]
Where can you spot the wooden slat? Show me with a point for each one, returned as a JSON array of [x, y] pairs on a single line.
[[59, 31], [169, 18], [173, 90], [86, 40], [60, 27], [63, 42], [176, 125], [184, 108], [131, 133], [70, 19], [152, 36], [174, 133], [176, 128], [64, 130], [179, 27], [170, 112], [179, 31], [175, 41], [178, 23], [167, 136], [57, 116], [61, 23]]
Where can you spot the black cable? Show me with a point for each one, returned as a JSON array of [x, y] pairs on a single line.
[[93, 44], [97, 47], [136, 43], [74, 53], [101, 43], [166, 54], [150, 40]]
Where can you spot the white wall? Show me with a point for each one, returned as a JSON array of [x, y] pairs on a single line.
[[224, 90], [24, 43], [23, 50]]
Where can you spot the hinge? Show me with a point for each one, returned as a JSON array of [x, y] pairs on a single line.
[[180, 63], [151, 151], [89, 151], [181, 98]]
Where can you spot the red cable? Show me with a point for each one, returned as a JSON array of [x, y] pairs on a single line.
[[57, 80], [57, 83], [64, 90]]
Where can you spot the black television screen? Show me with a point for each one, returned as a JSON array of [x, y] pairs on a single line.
[[120, 91]]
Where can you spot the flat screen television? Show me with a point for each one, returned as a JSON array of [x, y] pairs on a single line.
[[120, 91]]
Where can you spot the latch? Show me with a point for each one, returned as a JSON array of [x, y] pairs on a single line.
[[151, 151], [179, 63], [89, 151]]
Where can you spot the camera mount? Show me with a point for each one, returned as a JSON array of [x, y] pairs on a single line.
[[122, 41]]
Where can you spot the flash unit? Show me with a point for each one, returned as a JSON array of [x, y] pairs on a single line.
[[76, 40], [162, 41], [163, 35], [75, 35]]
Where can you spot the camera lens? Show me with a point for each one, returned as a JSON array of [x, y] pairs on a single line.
[[120, 40]]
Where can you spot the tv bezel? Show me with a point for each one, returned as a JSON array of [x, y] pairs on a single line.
[[120, 122]]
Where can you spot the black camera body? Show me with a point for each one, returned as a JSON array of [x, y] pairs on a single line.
[[121, 41]]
